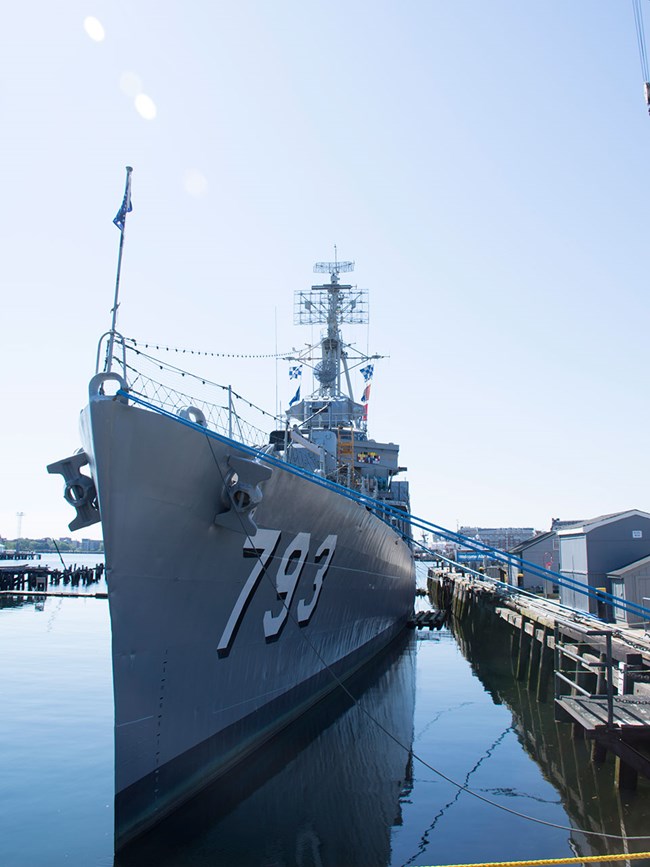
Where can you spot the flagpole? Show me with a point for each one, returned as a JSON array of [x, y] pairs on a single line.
[[120, 222]]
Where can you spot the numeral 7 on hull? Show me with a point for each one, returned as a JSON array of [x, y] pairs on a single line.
[[264, 544]]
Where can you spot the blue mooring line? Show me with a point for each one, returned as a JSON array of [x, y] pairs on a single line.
[[412, 520]]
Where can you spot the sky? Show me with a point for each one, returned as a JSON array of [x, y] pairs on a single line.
[[483, 164]]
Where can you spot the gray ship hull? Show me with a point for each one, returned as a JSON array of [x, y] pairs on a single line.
[[293, 787], [221, 637]]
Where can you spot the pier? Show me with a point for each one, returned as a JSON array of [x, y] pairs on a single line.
[[600, 671], [32, 579], [19, 555]]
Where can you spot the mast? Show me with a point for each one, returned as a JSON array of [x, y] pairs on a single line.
[[331, 304], [120, 222]]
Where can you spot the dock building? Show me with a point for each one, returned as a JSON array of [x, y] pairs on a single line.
[[543, 550], [599, 553], [632, 583]]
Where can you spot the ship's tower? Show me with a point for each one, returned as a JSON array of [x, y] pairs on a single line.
[[331, 304]]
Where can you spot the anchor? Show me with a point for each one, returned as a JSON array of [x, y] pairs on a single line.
[[242, 495], [79, 489]]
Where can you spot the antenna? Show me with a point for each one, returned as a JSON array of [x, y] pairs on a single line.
[[331, 302], [334, 268], [314, 306]]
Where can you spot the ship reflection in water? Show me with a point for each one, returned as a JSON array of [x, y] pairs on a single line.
[[325, 792], [587, 790]]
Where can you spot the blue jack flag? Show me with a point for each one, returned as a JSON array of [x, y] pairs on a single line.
[[125, 209]]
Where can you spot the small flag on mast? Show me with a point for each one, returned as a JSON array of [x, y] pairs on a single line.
[[295, 372], [126, 207], [367, 373]]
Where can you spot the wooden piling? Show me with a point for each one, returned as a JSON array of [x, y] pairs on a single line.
[[524, 650], [598, 752], [625, 776], [545, 667], [535, 653]]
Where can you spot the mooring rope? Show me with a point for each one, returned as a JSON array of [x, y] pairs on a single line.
[[625, 856]]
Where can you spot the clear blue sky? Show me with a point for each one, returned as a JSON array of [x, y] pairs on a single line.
[[484, 163]]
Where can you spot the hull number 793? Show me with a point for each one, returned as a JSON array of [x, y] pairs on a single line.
[[262, 547]]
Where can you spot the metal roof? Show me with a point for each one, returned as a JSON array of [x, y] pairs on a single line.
[[532, 541], [601, 521], [642, 562]]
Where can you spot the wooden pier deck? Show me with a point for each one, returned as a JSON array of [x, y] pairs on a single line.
[[630, 714], [601, 671]]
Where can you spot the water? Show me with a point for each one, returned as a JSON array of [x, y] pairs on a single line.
[[334, 790], [56, 741]]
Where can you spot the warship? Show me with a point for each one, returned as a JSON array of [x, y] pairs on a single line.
[[249, 572]]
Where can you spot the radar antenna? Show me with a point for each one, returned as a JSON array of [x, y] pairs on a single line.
[[333, 268]]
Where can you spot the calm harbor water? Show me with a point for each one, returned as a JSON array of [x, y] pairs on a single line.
[[345, 786]]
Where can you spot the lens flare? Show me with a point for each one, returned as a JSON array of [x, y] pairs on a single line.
[[195, 183], [145, 106], [94, 28]]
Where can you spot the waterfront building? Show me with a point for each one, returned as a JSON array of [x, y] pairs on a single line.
[[590, 551], [503, 538], [541, 550], [632, 583]]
